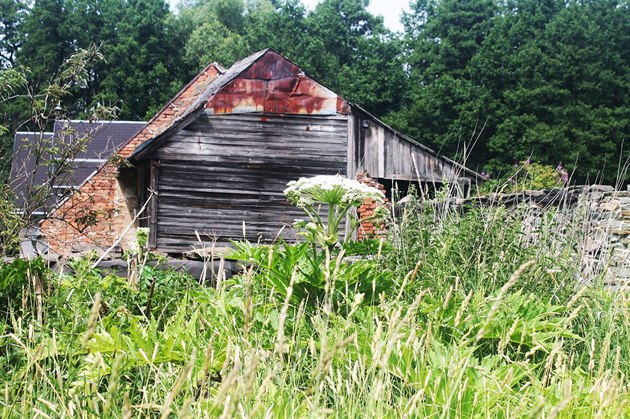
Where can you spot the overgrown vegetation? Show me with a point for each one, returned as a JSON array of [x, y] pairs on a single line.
[[497, 81], [525, 175], [454, 315], [46, 164]]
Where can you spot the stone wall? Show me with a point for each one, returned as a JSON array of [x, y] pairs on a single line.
[[592, 220], [608, 235]]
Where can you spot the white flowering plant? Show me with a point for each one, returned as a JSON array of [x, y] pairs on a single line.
[[338, 193], [316, 271]]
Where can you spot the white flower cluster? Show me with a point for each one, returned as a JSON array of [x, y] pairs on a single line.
[[330, 190]]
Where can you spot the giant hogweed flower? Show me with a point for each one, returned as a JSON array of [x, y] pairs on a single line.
[[339, 193], [335, 190]]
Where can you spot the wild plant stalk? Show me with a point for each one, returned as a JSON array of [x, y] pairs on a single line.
[[472, 328]]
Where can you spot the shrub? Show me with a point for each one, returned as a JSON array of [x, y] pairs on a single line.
[[526, 175]]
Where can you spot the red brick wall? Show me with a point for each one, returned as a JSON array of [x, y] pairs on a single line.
[[97, 215], [369, 229]]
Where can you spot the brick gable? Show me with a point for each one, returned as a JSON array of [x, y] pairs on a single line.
[[104, 206]]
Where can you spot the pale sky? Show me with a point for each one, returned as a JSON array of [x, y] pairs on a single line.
[[391, 10]]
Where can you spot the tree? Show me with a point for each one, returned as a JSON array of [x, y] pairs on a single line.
[[216, 32], [444, 107], [545, 79], [46, 43], [142, 69], [280, 26], [55, 156], [12, 14], [559, 76], [352, 52]]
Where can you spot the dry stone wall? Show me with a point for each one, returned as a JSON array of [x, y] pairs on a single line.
[[608, 235], [593, 220]]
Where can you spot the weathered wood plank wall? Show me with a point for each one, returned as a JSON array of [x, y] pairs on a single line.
[[223, 170], [386, 154]]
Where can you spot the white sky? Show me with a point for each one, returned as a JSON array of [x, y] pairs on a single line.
[[391, 10]]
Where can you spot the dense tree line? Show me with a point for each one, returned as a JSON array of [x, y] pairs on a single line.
[[489, 81]]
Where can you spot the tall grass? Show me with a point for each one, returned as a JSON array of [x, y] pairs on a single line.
[[457, 314]]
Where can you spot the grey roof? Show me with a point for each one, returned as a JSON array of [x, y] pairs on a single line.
[[83, 145]]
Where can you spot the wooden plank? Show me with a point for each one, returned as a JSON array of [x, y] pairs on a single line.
[[222, 170], [252, 159], [250, 155], [296, 118], [153, 204], [351, 147], [299, 131], [380, 141]]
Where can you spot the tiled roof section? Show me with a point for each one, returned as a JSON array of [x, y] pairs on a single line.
[[89, 144], [25, 169], [106, 137]]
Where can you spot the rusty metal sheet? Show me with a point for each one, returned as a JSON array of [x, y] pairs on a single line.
[[240, 96], [272, 66], [343, 106], [300, 95], [275, 85]]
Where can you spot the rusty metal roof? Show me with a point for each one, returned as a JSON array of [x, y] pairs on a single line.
[[267, 82], [275, 85]]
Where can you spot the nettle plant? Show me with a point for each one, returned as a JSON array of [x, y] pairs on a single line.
[[341, 195]]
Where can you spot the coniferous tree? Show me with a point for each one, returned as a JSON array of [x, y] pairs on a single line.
[[12, 15], [443, 107], [352, 52], [46, 42]]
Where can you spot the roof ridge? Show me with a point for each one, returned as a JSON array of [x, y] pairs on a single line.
[[214, 64]]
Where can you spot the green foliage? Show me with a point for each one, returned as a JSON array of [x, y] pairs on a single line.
[[317, 271], [40, 107], [482, 321], [465, 250], [16, 285], [12, 14], [297, 273], [351, 52], [46, 42], [11, 223], [527, 176], [503, 81]]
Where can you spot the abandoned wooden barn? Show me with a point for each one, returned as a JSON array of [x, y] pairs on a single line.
[[214, 162]]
